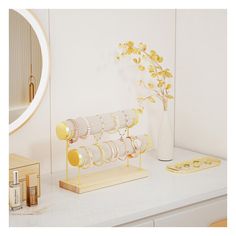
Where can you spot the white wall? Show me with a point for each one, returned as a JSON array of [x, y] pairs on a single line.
[[85, 78], [200, 105]]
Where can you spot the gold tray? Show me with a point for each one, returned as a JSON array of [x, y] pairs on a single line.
[[194, 165]]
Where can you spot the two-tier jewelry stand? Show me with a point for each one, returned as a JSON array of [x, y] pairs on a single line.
[[103, 152]]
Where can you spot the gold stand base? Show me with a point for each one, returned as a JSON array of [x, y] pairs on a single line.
[[97, 180]]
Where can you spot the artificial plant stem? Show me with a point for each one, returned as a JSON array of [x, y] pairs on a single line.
[[165, 104]]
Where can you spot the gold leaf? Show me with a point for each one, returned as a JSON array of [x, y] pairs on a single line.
[[160, 59], [137, 61], [151, 99], [160, 83], [129, 51], [167, 73], [151, 69], [140, 110], [130, 44], [153, 75], [151, 85], [152, 53], [140, 67], [142, 46], [169, 96], [168, 86]]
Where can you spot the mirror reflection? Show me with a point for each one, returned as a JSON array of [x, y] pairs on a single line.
[[25, 65]]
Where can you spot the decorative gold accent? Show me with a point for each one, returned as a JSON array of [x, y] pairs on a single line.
[[149, 62], [194, 165]]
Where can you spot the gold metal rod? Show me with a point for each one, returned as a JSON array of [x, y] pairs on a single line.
[[140, 161], [67, 149], [127, 163], [78, 175]]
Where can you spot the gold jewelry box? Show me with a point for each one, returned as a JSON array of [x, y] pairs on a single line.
[[25, 166]]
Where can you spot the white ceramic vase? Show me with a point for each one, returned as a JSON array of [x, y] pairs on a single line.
[[165, 143]]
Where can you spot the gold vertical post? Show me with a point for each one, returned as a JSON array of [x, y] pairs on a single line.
[[140, 160], [67, 149], [127, 162], [78, 175]]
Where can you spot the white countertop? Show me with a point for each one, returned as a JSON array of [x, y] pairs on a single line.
[[160, 192]]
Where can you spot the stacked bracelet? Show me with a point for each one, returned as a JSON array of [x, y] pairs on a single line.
[[75, 131], [102, 154], [88, 128], [88, 161]]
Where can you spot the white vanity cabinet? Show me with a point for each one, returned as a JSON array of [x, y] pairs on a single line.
[[197, 215], [162, 199]]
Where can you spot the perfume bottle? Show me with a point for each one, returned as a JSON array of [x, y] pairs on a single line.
[[15, 193], [32, 190]]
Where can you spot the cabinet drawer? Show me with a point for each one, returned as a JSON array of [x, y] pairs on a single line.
[[197, 215], [140, 223]]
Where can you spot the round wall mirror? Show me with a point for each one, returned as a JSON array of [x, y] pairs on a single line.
[[28, 66]]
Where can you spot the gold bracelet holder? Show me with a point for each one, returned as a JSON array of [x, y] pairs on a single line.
[[100, 152]]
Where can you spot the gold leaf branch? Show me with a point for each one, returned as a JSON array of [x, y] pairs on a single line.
[[159, 86]]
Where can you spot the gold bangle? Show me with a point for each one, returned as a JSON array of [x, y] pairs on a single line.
[[89, 155], [116, 153], [132, 155], [110, 158], [116, 124], [75, 158], [99, 163]]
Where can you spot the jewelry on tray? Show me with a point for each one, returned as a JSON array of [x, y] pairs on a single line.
[[196, 163]]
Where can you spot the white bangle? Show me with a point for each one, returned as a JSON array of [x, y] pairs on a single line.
[[75, 135], [88, 127], [88, 163]]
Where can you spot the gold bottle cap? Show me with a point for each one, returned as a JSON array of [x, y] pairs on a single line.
[[31, 180]]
